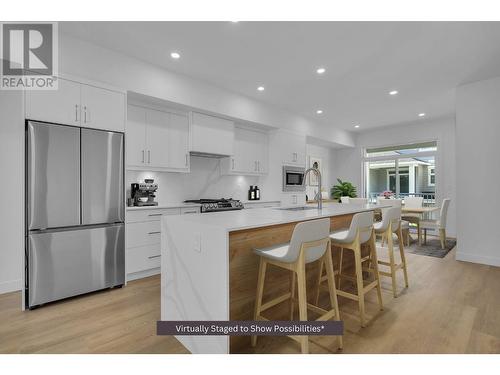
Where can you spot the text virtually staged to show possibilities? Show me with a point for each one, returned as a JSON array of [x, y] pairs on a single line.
[[249, 187]]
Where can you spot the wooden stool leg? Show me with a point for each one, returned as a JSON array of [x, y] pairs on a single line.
[[293, 283], [359, 283], [373, 246], [260, 291], [390, 244], [318, 282], [331, 288], [403, 257], [382, 240], [425, 236], [340, 266], [301, 288]]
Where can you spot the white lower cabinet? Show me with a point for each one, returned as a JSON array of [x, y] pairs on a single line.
[[143, 232]]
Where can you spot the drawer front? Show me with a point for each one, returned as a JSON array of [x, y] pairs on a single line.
[[143, 258], [150, 214], [143, 234], [190, 210]]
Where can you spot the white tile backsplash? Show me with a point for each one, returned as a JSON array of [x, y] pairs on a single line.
[[204, 181]]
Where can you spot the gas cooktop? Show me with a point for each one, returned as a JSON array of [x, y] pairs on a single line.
[[214, 205]]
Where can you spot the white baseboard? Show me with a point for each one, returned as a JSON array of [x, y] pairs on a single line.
[[477, 258], [142, 274], [10, 286]]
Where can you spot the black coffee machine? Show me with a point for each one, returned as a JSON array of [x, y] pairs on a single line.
[[143, 193]]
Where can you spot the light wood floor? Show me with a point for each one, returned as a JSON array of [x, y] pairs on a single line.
[[450, 307]]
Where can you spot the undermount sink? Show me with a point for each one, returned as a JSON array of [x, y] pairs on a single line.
[[299, 208]]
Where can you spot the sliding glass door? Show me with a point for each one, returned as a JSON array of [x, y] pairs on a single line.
[[400, 171]]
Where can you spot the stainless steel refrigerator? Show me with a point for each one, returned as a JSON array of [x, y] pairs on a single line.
[[75, 233]]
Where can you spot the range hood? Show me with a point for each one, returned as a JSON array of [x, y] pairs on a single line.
[[207, 155]]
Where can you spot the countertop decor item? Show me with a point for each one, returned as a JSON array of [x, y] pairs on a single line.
[[343, 189]]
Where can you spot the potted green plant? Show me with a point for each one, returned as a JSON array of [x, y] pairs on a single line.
[[343, 189]]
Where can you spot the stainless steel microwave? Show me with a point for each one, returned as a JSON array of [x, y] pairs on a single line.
[[293, 178]]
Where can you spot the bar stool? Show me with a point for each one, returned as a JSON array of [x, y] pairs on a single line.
[[360, 232], [310, 242], [391, 223]]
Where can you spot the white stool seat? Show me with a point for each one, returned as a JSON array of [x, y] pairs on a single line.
[[405, 224], [341, 236], [276, 252]]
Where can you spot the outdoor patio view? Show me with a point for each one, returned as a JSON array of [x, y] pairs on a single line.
[[400, 171]]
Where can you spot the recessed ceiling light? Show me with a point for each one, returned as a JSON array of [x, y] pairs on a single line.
[[356, 126], [319, 111], [421, 114], [320, 70], [260, 88], [175, 55], [393, 92]]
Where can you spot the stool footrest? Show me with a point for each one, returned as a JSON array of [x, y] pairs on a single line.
[[370, 286], [276, 301], [348, 295]]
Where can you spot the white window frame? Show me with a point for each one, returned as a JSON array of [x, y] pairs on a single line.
[[430, 174], [395, 158]]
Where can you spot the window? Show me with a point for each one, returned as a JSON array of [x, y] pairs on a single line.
[[403, 170], [431, 176]]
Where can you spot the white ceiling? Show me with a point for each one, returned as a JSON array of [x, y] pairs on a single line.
[[424, 61]]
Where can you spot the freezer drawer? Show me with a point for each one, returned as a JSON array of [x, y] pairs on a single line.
[[75, 261], [53, 175], [102, 177]]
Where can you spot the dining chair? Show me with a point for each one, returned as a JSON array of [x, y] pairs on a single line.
[[413, 218], [439, 224]]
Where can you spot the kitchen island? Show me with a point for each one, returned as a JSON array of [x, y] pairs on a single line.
[[209, 271]]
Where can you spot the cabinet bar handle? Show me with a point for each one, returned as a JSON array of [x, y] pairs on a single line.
[[154, 232], [154, 256], [149, 156], [85, 114], [76, 112], [143, 156], [190, 212], [186, 160], [154, 214]]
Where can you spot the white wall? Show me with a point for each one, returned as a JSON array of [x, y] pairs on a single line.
[[325, 154], [478, 175], [83, 59], [204, 181], [12, 172], [347, 164]]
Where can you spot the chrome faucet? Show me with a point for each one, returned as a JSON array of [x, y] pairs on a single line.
[[318, 174]]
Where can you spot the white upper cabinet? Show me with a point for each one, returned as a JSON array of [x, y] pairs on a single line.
[[136, 136], [61, 106], [78, 104], [292, 147], [178, 151], [157, 140], [211, 135], [250, 153], [102, 108]]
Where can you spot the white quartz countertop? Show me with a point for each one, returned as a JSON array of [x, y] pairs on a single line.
[[263, 217], [160, 206]]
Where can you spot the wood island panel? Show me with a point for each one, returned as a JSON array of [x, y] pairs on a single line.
[[244, 265]]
